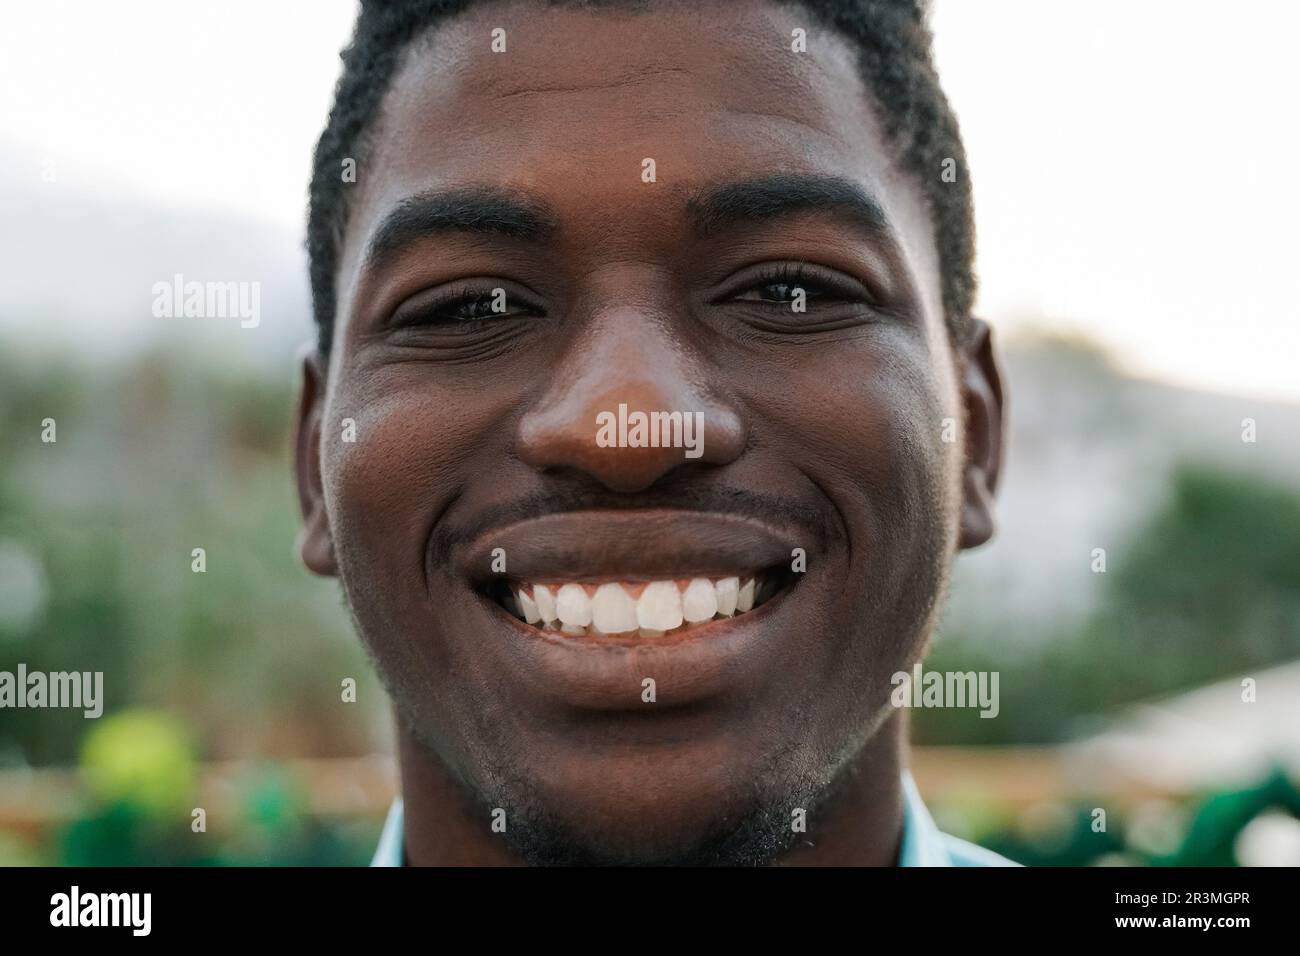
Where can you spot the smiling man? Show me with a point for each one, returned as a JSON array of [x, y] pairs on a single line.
[[529, 217]]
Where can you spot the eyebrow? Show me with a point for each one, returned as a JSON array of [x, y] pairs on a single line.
[[717, 208], [482, 210], [493, 210]]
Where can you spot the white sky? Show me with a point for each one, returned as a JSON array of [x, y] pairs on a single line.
[[1133, 160]]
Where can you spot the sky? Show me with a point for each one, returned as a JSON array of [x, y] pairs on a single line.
[[1132, 160]]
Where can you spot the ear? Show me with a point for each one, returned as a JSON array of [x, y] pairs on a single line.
[[981, 386], [315, 541]]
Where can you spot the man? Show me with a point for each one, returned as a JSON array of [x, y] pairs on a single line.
[[647, 416]]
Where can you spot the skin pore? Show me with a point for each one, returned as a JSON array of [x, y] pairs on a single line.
[[476, 430]]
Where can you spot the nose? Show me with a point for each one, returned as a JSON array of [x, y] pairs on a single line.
[[627, 405]]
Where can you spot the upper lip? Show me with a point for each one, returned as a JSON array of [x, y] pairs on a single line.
[[627, 545]]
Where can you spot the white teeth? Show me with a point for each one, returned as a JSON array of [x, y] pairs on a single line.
[[727, 590], [745, 599], [528, 606], [545, 603], [700, 602], [612, 610], [660, 607], [573, 606]]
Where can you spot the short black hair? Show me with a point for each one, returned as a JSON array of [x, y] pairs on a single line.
[[894, 55]]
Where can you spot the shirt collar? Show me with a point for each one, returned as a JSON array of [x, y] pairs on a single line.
[[390, 850], [923, 844]]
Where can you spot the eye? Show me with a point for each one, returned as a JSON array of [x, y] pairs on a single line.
[[463, 305], [792, 283]]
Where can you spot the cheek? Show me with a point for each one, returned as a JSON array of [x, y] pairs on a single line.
[[867, 423], [916, 502], [867, 427], [386, 486], [914, 446], [384, 492]]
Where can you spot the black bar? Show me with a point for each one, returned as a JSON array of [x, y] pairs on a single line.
[[380, 906]]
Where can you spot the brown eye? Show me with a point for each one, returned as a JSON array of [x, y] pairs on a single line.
[[789, 283], [476, 307], [787, 292], [463, 305]]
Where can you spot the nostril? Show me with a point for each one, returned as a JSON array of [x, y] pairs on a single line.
[[630, 470]]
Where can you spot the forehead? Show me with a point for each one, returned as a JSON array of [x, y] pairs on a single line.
[[580, 98]]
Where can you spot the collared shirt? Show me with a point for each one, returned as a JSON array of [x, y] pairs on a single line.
[[923, 843]]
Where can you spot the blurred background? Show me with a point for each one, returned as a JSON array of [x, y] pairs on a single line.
[[1136, 210]]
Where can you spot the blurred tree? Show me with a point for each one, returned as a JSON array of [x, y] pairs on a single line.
[[153, 459], [1208, 586]]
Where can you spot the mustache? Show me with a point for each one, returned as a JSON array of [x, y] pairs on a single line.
[[760, 506]]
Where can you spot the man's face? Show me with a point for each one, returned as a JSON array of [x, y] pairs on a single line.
[[670, 286]]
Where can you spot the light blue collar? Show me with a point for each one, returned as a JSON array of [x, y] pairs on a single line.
[[923, 843]]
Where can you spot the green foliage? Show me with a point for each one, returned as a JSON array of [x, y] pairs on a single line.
[[1207, 587], [152, 460], [140, 760]]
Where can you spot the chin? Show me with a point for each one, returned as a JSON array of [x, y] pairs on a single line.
[[697, 800]]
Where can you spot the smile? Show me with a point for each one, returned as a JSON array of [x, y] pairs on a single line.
[[578, 608], [649, 609], [649, 577]]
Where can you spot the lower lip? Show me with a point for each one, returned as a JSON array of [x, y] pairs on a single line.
[[720, 658]]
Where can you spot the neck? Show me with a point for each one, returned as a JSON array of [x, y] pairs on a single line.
[[860, 825]]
